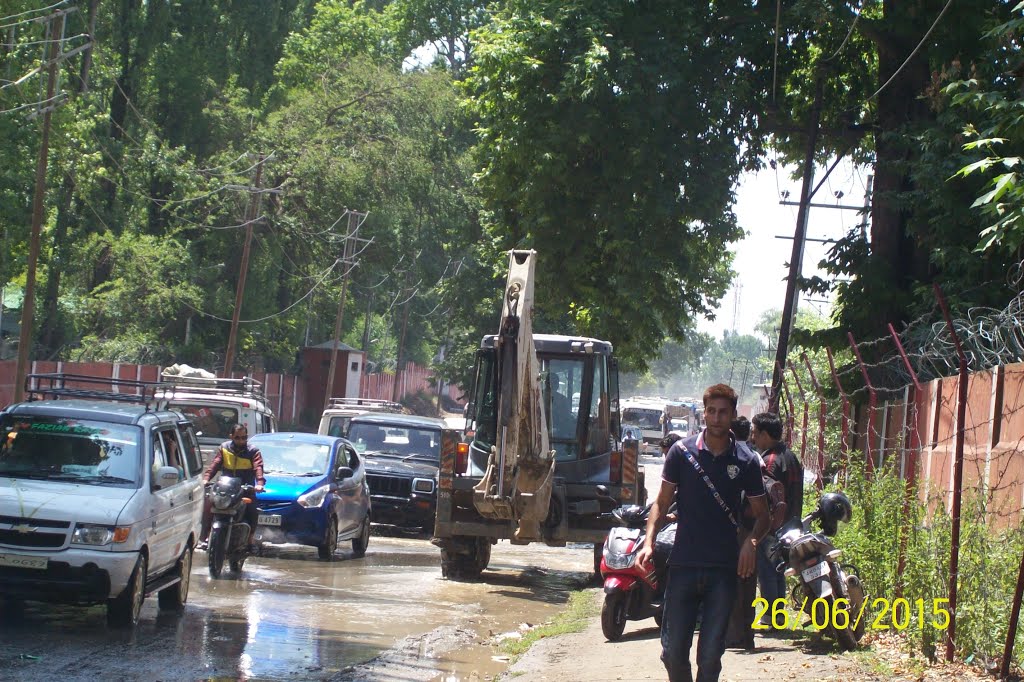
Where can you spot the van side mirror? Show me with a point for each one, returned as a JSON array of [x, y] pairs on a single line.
[[343, 473], [166, 477]]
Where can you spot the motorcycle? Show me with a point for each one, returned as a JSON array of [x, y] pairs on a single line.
[[229, 534], [630, 592], [825, 586]]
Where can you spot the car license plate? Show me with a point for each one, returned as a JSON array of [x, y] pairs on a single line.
[[22, 561], [270, 520], [815, 571]]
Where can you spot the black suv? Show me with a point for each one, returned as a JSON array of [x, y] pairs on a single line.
[[401, 454]]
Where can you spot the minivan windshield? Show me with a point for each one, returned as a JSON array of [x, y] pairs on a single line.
[[288, 458], [396, 441], [73, 450], [212, 422]]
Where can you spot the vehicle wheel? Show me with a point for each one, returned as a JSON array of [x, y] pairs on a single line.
[[330, 544], [123, 610], [216, 550], [465, 558], [362, 541], [175, 596], [613, 615]]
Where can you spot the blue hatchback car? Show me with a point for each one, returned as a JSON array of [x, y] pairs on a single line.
[[316, 492]]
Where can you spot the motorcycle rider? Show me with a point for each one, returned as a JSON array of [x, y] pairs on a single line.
[[237, 458]]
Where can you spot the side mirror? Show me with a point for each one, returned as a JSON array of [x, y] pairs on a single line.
[[166, 477], [344, 472]]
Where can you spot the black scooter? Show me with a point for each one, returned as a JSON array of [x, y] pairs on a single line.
[[229, 535]]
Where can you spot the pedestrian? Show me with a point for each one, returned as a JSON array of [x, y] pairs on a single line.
[[705, 474], [740, 633], [781, 464], [667, 442]]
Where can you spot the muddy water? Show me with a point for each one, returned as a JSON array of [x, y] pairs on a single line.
[[292, 617]]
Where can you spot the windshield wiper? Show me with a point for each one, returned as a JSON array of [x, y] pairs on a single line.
[[415, 455], [312, 473], [394, 453], [108, 479]]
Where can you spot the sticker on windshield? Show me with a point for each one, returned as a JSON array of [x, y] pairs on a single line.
[[359, 446]]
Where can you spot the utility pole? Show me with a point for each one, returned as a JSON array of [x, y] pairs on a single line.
[[400, 359], [797, 257], [56, 28], [251, 214], [347, 265]]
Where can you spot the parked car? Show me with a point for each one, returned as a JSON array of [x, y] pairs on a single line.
[[100, 496], [402, 454], [316, 492]]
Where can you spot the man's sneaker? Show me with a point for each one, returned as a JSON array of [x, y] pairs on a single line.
[[203, 545]]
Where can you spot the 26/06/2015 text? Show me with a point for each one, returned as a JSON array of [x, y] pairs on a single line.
[[897, 614]]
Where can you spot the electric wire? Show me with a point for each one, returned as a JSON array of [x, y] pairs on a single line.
[[913, 52]]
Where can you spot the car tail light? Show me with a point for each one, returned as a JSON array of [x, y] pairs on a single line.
[[461, 458]]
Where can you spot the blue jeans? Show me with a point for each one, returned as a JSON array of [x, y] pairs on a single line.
[[772, 583], [688, 590]]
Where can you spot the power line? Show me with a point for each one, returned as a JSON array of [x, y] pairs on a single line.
[[29, 11], [911, 55]]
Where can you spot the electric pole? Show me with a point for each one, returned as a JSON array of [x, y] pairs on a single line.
[[251, 215], [55, 29], [347, 265], [796, 259]]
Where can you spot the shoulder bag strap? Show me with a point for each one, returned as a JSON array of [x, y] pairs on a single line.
[[711, 486]]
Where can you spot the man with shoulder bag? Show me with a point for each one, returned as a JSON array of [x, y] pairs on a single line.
[[706, 475]]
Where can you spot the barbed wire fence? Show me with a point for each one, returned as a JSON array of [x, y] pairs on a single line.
[[939, 404]]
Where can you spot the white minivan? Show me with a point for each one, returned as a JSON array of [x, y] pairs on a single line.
[[214, 405], [100, 497]]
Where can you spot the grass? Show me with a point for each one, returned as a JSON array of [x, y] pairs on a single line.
[[579, 610], [869, 659]]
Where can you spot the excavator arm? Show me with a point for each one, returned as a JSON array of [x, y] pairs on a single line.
[[520, 469]]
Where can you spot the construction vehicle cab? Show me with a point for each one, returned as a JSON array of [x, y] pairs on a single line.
[[540, 466]]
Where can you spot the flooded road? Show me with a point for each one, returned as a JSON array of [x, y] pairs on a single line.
[[293, 617], [385, 617]]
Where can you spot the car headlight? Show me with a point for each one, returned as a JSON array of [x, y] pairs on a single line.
[[314, 498], [87, 534], [423, 485]]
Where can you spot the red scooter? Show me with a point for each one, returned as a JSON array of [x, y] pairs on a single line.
[[631, 593]]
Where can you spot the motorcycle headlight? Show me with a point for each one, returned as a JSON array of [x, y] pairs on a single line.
[[618, 561], [221, 499], [314, 498]]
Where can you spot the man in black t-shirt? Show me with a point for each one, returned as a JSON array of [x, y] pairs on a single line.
[[705, 475], [781, 464]]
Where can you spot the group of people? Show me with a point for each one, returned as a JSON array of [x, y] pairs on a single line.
[[717, 479]]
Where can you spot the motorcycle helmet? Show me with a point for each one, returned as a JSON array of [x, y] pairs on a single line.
[[833, 508]]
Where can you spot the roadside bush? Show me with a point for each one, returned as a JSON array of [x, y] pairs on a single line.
[[988, 563]]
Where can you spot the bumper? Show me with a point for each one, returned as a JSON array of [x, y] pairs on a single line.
[[298, 524], [418, 510], [73, 576]]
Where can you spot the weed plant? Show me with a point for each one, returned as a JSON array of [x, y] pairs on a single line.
[[887, 510]]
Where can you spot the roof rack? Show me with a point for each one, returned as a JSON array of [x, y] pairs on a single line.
[[56, 385], [369, 403], [246, 387]]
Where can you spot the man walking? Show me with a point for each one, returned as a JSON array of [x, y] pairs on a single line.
[[781, 464], [705, 474]]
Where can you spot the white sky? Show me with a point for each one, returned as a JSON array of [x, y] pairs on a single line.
[[761, 261]]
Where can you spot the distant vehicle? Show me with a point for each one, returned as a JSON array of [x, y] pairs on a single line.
[[214, 405], [100, 496], [645, 415], [335, 419], [401, 454], [316, 492]]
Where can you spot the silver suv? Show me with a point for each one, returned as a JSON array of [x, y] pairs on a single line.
[[100, 496]]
